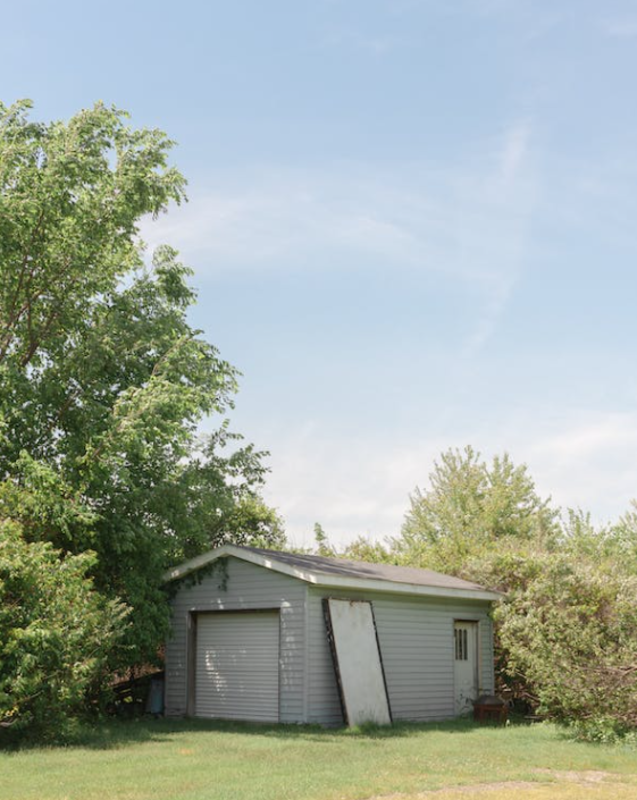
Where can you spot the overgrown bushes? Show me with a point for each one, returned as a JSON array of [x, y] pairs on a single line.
[[567, 637], [56, 632]]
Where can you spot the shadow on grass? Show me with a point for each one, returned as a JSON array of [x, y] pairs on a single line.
[[113, 733]]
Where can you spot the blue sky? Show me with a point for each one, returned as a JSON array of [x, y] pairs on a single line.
[[412, 225]]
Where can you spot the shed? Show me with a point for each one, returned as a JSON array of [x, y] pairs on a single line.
[[256, 636]]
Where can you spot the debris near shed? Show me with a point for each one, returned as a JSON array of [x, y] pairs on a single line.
[[490, 708]]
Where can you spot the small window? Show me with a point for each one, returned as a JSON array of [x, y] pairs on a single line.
[[460, 642]]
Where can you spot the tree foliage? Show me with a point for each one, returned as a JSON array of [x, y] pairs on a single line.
[[104, 381], [470, 506], [366, 549], [322, 542]]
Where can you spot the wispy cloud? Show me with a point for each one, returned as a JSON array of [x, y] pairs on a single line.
[[376, 45], [511, 194], [352, 487], [514, 152], [590, 462], [469, 223], [620, 27], [361, 487], [530, 19], [592, 438], [285, 217]]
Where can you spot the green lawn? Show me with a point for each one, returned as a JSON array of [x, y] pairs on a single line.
[[186, 760]]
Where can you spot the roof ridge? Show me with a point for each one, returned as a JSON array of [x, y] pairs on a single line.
[[337, 561]]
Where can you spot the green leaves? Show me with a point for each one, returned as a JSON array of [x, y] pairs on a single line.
[[70, 201], [48, 508], [571, 632]]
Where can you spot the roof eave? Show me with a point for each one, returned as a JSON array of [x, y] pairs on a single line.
[[396, 587]]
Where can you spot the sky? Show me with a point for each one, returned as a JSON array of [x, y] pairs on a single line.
[[412, 225]]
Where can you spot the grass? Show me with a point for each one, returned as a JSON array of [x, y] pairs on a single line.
[[196, 760]]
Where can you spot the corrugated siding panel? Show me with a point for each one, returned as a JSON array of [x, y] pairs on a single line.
[[238, 665], [416, 642], [246, 586]]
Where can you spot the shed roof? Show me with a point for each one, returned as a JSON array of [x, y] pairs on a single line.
[[344, 574]]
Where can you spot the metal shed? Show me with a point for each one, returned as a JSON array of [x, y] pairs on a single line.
[[270, 636]]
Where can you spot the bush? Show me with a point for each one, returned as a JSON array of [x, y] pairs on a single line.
[[568, 633], [56, 632]]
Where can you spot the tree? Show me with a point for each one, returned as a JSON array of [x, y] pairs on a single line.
[[470, 506], [104, 381], [621, 539], [322, 542], [366, 549]]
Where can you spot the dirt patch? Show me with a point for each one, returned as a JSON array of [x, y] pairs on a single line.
[[478, 788], [562, 784], [585, 776]]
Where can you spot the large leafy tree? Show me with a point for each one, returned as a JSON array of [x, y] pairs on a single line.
[[103, 379], [471, 506]]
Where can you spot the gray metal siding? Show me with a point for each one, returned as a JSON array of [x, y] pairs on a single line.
[[416, 642], [246, 586]]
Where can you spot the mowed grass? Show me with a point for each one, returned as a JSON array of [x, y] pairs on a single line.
[[196, 760]]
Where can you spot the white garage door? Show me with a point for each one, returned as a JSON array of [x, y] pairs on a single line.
[[237, 666]]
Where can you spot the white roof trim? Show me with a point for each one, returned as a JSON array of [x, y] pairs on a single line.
[[325, 579]]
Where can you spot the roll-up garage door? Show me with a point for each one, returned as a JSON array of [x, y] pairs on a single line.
[[237, 665]]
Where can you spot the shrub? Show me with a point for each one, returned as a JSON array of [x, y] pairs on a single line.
[[568, 633], [55, 632]]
